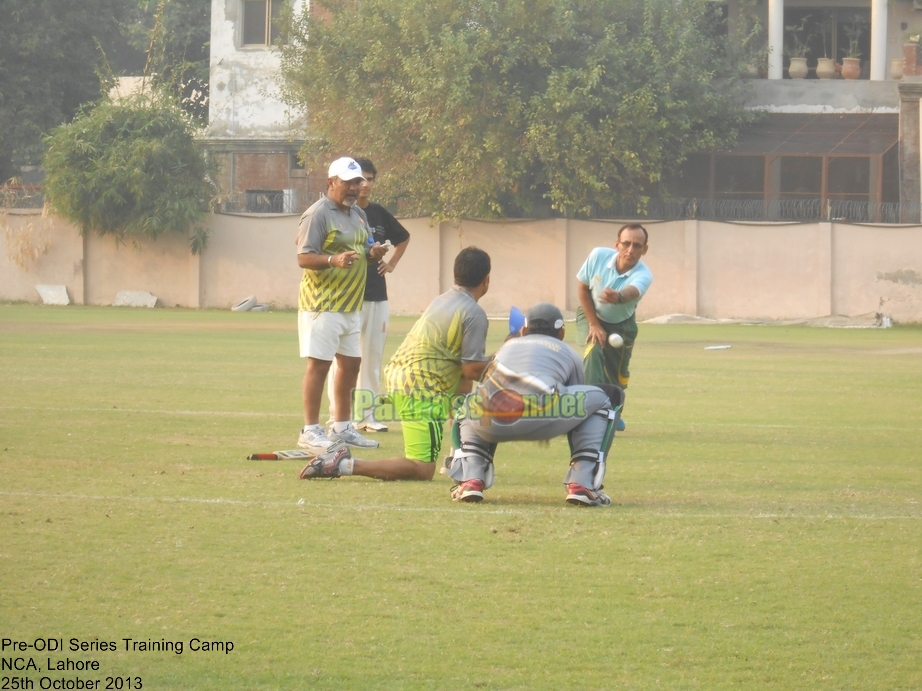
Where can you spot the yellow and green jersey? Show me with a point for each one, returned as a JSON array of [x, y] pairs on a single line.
[[452, 331], [326, 229]]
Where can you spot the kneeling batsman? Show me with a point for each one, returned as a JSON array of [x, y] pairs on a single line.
[[534, 390]]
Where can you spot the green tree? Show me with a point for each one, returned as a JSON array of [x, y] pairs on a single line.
[[174, 35], [507, 107], [131, 169], [50, 59], [55, 56]]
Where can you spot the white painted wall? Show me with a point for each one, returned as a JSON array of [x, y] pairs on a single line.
[[705, 268], [245, 102]]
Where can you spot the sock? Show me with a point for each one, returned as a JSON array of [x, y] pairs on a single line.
[[346, 465], [340, 426], [310, 428]]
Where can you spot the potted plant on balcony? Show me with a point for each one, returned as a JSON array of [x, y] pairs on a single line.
[[796, 47], [851, 63], [826, 66], [909, 63], [750, 51]]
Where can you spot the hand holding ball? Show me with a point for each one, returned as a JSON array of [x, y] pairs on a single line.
[[615, 340]]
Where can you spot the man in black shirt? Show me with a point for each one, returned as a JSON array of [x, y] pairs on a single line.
[[375, 313]]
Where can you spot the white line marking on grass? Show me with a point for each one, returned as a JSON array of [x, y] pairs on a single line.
[[143, 411], [614, 512], [243, 502]]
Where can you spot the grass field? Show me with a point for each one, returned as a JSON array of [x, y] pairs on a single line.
[[766, 531]]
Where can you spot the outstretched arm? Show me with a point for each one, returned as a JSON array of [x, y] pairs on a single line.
[[615, 297]]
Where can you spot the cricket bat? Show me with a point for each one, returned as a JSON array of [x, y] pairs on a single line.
[[296, 454]]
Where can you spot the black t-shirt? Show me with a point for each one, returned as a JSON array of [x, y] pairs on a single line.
[[384, 227]]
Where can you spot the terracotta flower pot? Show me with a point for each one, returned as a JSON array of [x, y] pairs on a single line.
[[851, 68], [825, 68], [798, 68], [896, 68]]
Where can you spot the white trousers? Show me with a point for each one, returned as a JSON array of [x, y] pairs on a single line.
[[375, 318]]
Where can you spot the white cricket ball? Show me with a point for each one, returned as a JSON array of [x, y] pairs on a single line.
[[615, 341]]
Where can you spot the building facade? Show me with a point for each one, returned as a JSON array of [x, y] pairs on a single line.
[[252, 134], [825, 147]]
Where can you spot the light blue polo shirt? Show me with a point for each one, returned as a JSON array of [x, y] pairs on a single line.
[[599, 272]]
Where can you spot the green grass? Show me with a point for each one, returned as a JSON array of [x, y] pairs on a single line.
[[766, 532]]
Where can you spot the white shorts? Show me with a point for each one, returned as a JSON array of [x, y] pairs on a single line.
[[323, 335]]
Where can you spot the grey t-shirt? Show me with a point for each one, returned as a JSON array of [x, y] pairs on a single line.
[[533, 364], [326, 229]]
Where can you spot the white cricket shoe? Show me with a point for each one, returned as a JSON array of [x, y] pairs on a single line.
[[371, 426], [353, 438], [315, 440]]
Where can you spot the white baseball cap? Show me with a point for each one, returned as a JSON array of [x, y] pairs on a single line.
[[345, 169]]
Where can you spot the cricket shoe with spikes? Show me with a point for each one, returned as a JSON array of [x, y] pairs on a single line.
[[468, 491], [583, 496], [327, 464]]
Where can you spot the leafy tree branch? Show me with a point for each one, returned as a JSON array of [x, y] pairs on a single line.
[[485, 108]]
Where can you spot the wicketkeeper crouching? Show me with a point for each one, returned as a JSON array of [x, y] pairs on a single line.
[[533, 390]]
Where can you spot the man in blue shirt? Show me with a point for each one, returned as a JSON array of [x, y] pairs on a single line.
[[611, 283]]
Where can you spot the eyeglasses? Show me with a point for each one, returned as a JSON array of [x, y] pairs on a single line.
[[635, 245]]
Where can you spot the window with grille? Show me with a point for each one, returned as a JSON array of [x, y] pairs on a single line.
[[260, 22], [739, 177], [801, 177], [849, 178]]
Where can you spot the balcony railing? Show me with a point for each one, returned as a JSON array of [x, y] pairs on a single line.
[[261, 202], [806, 210]]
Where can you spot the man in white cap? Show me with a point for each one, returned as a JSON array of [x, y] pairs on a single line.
[[534, 390], [333, 251], [376, 312]]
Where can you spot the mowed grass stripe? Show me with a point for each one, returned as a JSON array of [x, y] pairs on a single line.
[[765, 532], [618, 513]]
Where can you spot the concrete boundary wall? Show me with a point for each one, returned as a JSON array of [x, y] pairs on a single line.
[[703, 268]]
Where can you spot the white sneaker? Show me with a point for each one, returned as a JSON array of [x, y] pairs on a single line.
[[353, 438], [315, 440], [371, 426]]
